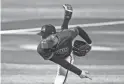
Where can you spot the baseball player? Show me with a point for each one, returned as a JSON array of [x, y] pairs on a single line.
[[57, 47]]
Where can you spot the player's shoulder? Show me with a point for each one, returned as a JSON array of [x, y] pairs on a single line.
[[74, 30], [71, 33]]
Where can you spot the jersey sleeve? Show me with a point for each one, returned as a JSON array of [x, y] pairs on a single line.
[[65, 64], [84, 35]]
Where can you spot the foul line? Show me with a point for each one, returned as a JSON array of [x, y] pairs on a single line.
[[94, 48], [58, 27]]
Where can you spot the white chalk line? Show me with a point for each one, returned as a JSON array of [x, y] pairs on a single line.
[[108, 32], [91, 32], [34, 47], [94, 48], [58, 27]]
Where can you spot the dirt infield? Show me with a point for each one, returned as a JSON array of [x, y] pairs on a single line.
[[45, 74]]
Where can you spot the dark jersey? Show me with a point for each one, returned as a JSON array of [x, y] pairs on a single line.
[[62, 43], [63, 47]]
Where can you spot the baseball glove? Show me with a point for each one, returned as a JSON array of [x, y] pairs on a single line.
[[80, 48]]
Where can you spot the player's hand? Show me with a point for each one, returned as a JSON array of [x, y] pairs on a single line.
[[84, 74], [68, 7], [68, 11]]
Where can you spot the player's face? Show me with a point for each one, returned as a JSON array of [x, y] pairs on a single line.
[[41, 33]]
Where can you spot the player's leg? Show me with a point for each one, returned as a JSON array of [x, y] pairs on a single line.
[[68, 14], [70, 59], [62, 73]]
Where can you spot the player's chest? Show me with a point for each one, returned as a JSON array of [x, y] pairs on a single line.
[[62, 49]]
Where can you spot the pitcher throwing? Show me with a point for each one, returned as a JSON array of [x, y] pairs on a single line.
[[58, 48]]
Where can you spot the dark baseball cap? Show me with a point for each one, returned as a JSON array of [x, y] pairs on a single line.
[[47, 30]]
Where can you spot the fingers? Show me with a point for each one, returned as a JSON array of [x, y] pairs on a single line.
[[68, 7], [87, 72], [88, 77], [84, 74], [68, 11]]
